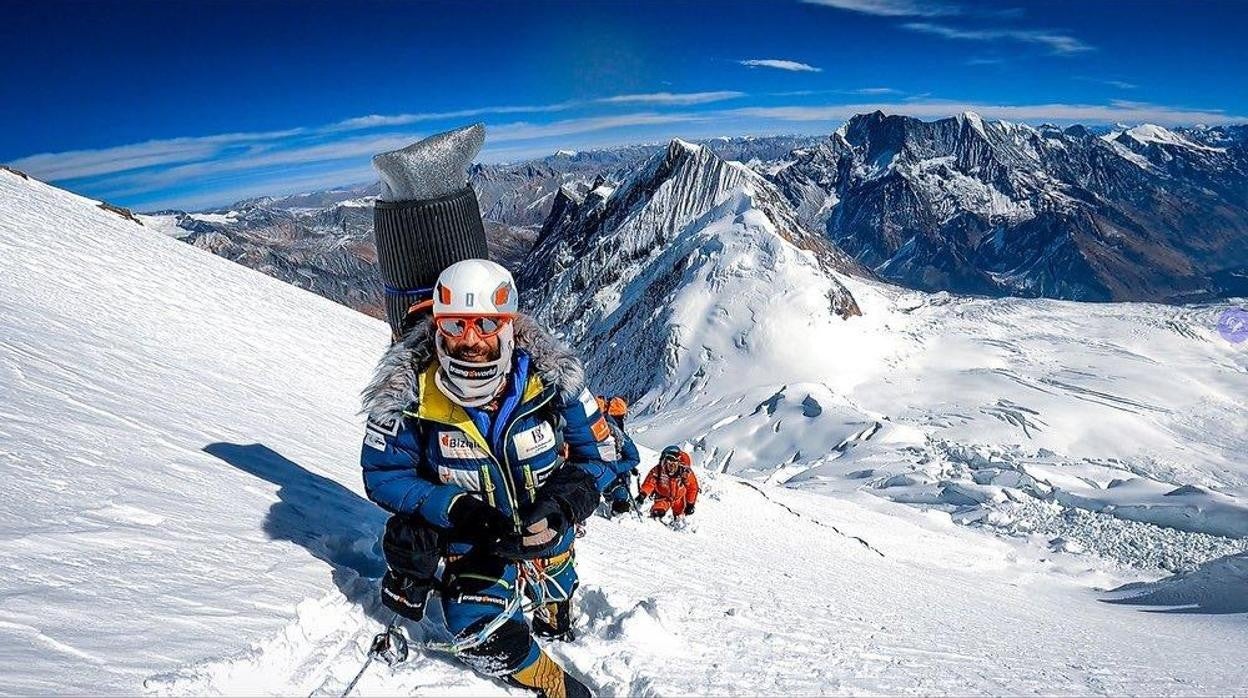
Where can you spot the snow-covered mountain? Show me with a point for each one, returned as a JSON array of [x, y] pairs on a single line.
[[967, 205], [183, 514], [651, 276]]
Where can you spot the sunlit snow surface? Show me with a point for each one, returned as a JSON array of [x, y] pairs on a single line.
[[182, 510]]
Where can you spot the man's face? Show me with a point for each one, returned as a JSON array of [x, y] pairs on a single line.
[[472, 347], [671, 465]]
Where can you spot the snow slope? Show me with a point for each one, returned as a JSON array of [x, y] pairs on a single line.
[[124, 357], [182, 513]]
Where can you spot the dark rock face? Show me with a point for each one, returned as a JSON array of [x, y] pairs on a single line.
[[997, 208]]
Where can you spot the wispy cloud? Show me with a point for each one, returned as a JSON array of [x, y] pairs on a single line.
[[85, 163], [522, 131], [1057, 43], [874, 91], [391, 120], [278, 166], [781, 64], [237, 151], [984, 61], [1115, 111], [893, 8], [1120, 84], [659, 98], [681, 98]]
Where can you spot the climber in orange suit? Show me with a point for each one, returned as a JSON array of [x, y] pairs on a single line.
[[671, 484]]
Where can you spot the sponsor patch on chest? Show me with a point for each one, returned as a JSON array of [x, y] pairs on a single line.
[[533, 441], [455, 444]]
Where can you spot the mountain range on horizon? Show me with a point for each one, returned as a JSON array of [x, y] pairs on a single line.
[[961, 204]]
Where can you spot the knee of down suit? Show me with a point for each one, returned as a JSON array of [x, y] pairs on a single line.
[[546, 440], [629, 459]]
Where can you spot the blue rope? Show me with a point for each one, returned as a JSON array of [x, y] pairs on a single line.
[[393, 291]]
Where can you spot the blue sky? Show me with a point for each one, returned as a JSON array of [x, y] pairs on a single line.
[[196, 104]]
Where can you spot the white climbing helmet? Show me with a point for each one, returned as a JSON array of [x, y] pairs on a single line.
[[474, 295], [475, 287]]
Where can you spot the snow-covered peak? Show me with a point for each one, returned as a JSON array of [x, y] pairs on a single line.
[[1152, 133], [974, 120], [640, 266]]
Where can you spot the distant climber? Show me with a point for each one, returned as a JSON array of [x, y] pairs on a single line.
[[619, 494], [671, 485]]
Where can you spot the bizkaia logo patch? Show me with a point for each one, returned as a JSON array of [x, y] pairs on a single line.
[[455, 444], [531, 442]]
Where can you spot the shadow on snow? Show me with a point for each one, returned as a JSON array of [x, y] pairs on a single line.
[[330, 521], [1216, 587]]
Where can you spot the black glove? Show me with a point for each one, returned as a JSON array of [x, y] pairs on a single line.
[[639, 499], [568, 497], [405, 595], [636, 473], [474, 521], [544, 524], [688, 509]]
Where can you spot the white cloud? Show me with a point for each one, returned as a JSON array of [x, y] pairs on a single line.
[[523, 131], [1055, 42], [1120, 84], [781, 64], [893, 8], [350, 153], [382, 120], [873, 91], [672, 98], [237, 151], [73, 164], [390, 120]]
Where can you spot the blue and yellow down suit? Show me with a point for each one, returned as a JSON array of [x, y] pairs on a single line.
[[422, 451]]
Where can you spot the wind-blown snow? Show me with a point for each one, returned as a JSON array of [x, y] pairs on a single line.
[[182, 509]]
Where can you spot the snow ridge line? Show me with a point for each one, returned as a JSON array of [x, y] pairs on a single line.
[[813, 520]]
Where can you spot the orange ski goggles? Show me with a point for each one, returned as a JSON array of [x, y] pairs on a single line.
[[484, 326]]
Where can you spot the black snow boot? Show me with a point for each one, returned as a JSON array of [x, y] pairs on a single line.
[[553, 621]]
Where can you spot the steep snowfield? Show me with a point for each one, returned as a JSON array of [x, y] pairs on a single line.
[[127, 545], [182, 511]]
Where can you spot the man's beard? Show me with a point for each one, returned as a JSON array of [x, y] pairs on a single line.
[[470, 354]]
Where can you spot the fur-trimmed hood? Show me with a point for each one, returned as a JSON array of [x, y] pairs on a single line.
[[395, 384]]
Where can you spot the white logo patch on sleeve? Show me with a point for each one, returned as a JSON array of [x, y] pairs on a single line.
[[374, 440], [455, 444], [533, 441], [384, 426], [589, 402]]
